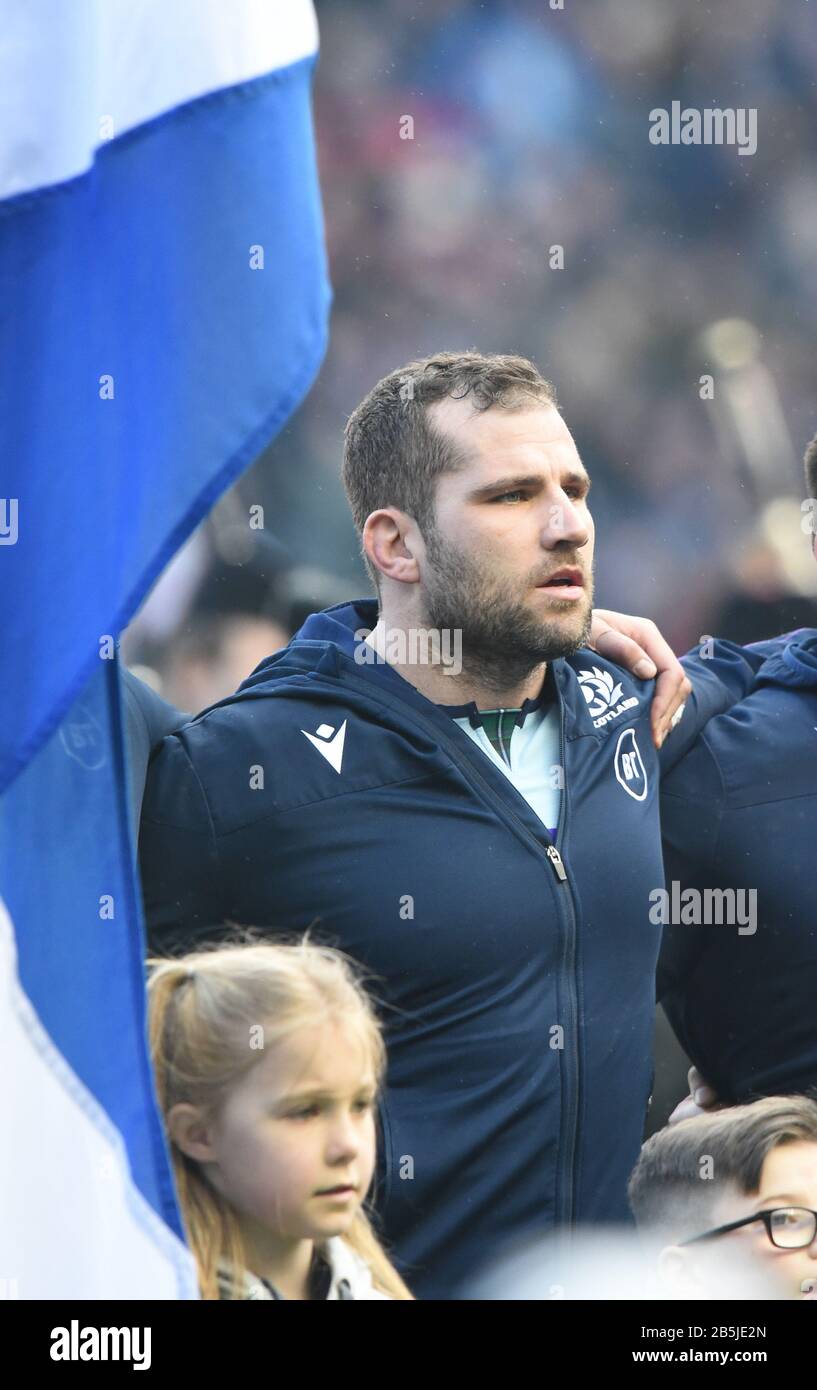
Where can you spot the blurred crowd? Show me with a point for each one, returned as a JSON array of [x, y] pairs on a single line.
[[529, 131]]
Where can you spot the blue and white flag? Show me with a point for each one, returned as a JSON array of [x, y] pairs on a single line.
[[163, 310]]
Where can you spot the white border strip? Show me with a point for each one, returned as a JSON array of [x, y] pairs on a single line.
[[75, 74], [73, 1223]]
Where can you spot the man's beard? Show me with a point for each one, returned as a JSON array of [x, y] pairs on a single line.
[[503, 640]]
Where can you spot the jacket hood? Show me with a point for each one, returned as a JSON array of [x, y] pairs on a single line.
[[794, 664], [315, 647], [340, 623], [312, 648]]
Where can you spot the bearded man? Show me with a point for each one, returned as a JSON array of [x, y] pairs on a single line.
[[481, 833]]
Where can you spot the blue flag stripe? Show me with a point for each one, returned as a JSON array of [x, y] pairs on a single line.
[[205, 356]]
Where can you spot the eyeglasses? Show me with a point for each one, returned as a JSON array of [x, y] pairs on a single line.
[[789, 1228]]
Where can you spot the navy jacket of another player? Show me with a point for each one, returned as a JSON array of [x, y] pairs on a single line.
[[516, 976], [739, 814]]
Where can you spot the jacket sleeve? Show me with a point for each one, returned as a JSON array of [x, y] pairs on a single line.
[[692, 808], [147, 718], [178, 854], [720, 678]]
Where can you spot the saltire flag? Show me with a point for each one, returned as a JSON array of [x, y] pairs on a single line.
[[163, 310]]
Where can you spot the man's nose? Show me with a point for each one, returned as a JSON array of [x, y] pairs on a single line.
[[565, 522]]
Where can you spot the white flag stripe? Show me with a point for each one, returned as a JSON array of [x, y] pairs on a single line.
[[65, 1186], [74, 75]]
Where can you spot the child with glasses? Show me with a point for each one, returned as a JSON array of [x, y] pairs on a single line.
[[741, 1181]]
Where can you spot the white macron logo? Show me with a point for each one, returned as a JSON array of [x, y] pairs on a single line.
[[601, 692], [328, 743]]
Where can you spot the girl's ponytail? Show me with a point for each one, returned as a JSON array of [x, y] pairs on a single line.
[[212, 1231]]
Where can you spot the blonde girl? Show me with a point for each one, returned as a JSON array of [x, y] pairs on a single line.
[[268, 1059]]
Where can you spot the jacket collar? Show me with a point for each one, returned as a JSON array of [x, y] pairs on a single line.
[[477, 717], [342, 1276], [342, 624]]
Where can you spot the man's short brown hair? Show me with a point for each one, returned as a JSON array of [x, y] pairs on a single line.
[[393, 455], [668, 1189]]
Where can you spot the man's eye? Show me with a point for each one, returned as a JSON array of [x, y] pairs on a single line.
[[363, 1105], [305, 1114], [505, 495]]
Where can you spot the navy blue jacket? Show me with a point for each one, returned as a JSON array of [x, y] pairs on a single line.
[[740, 810], [146, 720], [517, 977]]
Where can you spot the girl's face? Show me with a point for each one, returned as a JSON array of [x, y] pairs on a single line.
[[293, 1147]]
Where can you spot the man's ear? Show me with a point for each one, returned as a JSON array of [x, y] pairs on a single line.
[[191, 1132], [384, 541]]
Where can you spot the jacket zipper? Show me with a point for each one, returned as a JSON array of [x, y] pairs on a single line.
[[568, 1135], [556, 860], [570, 1063]]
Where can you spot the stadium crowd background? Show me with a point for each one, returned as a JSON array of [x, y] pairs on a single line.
[[531, 130]]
